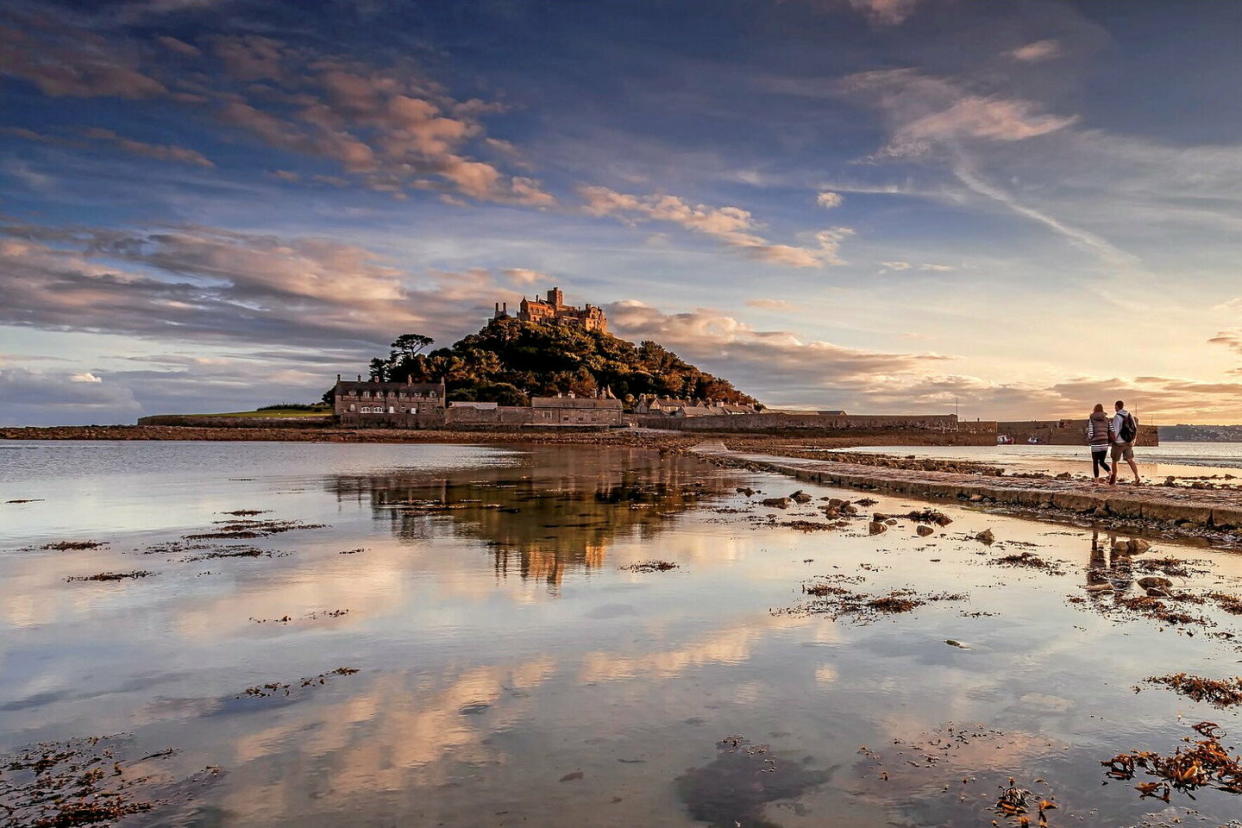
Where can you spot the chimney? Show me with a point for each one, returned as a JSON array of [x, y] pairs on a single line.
[[360, 378], [338, 377]]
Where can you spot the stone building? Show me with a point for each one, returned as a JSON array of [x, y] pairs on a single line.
[[575, 411], [553, 310], [388, 403]]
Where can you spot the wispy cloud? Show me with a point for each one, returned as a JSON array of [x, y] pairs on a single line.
[[1038, 51], [733, 226]]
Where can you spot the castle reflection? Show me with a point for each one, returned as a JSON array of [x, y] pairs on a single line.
[[557, 510]]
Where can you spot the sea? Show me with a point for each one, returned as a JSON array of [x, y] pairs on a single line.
[[270, 634]]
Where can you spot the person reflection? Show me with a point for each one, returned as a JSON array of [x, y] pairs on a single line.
[[1104, 574]]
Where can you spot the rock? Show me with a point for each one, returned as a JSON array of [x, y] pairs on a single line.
[[776, 502], [877, 528], [976, 498], [1157, 592], [891, 521], [986, 536], [1137, 546], [849, 509], [1064, 476], [800, 497], [924, 530], [836, 502], [1121, 547], [742, 490], [953, 642], [1153, 582]]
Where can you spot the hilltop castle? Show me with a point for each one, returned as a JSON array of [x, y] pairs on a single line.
[[553, 310]]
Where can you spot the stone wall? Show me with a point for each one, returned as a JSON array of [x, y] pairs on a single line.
[[940, 428], [235, 422]]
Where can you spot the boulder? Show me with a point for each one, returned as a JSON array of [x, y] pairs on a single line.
[[776, 502], [986, 536], [924, 530], [800, 497], [1153, 582], [877, 528], [1137, 546]]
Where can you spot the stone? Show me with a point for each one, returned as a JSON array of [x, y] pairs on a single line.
[[877, 528], [800, 497], [776, 502], [891, 521], [1137, 546], [1152, 582], [986, 536], [924, 530]]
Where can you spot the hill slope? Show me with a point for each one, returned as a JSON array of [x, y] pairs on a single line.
[[509, 361]]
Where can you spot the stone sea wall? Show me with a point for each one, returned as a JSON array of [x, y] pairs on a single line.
[[943, 429]]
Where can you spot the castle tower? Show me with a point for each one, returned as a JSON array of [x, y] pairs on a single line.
[[556, 298]]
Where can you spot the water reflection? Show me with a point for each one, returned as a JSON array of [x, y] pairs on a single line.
[[558, 512], [1109, 565]]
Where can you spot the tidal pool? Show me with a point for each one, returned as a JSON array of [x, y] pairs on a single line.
[[514, 666]]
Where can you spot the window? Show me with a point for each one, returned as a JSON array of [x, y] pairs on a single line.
[[392, 410], [353, 407]]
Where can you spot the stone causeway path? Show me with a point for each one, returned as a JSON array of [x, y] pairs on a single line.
[[1216, 509]]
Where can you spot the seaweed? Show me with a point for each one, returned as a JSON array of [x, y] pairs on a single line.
[[112, 576], [1206, 763], [1216, 692]]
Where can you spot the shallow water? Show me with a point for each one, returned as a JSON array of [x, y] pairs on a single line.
[[1181, 459], [511, 671]]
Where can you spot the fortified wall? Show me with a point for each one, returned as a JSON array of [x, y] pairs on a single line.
[[943, 429], [1064, 432]]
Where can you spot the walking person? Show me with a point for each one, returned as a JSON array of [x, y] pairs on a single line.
[[1099, 438], [1125, 432]]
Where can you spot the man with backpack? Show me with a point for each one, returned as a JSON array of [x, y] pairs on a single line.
[[1125, 432]]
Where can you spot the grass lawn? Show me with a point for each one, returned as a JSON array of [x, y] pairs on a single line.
[[271, 413]]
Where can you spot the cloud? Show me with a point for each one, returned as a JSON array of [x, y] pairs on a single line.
[[59, 398], [178, 46], [778, 365], [74, 63], [829, 199], [160, 152], [389, 125], [1231, 339], [525, 276], [216, 285], [733, 226], [770, 304], [928, 113], [250, 57], [885, 12], [900, 266], [1038, 51], [86, 376]]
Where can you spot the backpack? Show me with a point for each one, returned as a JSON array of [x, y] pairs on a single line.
[[1129, 429]]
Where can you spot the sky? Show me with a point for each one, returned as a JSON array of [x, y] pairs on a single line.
[[1010, 210]]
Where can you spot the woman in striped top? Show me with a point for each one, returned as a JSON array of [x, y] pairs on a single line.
[[1099, 437]]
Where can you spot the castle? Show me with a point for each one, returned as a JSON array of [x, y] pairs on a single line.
[[554, 310]]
